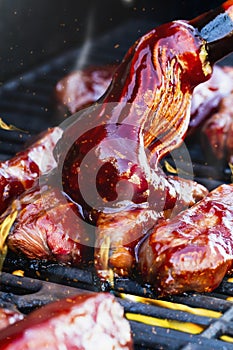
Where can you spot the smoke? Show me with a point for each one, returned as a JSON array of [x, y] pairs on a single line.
[[86, 47]]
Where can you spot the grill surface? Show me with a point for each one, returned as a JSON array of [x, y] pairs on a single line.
[[179, 323], [192, 321]]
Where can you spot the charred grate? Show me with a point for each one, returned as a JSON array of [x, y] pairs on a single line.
[[27, 102], [181, 322]]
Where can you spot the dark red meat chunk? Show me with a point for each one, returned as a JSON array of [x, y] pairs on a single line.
[[194, 250], [84, 322], [49, 227]]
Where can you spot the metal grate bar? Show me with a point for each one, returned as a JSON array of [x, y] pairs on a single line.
[[28, 294]]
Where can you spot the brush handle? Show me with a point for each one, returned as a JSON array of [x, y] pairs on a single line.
[[216, 28]]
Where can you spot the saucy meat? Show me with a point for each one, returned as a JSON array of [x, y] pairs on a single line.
[[84, 322], [207, 96], [83, 87], [48, 227], [21, 172], [217, 132], [121, 142], [194, 250], [118, 234]]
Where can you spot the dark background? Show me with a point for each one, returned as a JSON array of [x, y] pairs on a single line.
[[33, 31]]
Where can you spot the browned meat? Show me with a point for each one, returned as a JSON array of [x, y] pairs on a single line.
[[194, 250], [83, 87], [118, 234], [22, 171], [207, 96], [217, 132], [8, 317], [49, 227], [84, 322], [116, 238]]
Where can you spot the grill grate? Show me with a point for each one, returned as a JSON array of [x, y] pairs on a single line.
[[28, 101], [182, 322]]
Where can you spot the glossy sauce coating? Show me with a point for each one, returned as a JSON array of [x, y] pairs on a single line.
[[113, 165], [48, 227], [125, 141], [22, 171], [194, 250]]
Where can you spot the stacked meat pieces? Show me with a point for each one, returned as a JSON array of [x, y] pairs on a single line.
[[132, 219]]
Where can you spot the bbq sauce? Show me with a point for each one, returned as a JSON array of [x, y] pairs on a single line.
[[143, 115], [21, 172], [110, 155]]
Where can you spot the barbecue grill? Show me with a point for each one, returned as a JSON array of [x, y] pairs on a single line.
[[187, 322]]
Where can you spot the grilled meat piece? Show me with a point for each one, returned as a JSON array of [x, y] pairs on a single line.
[[82, 87], [207, 96], [49, 227], [21, 172], [8, 317], [84, 322], [194, 250], [118, 234], [217, 132]]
